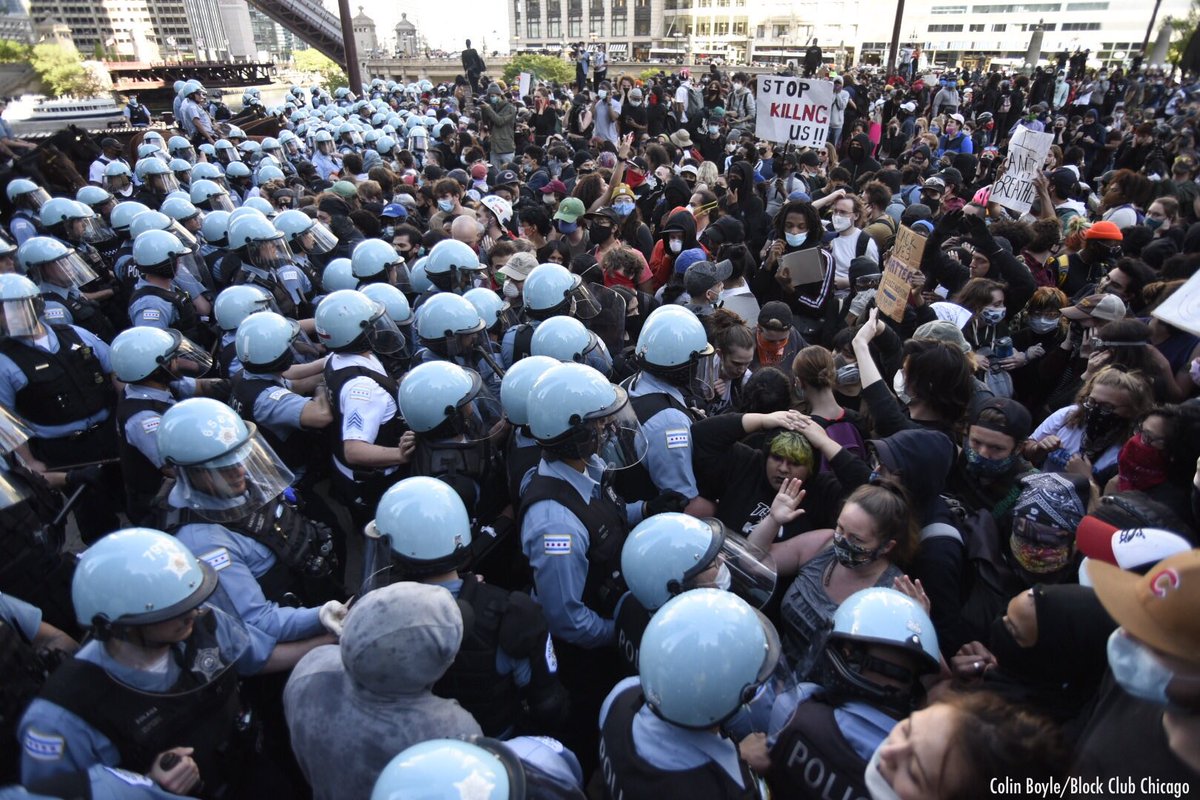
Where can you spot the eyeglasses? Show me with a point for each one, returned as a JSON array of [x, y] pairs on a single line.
[[1157, 442], [1091, 404]]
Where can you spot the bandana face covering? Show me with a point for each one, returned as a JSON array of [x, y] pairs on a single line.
[[1140, 466], [1039, 549], [770, 353]]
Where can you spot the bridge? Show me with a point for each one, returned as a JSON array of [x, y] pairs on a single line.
[[407, 70], [309, 20], [132, 76]]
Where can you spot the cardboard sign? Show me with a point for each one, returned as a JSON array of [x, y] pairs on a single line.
[[1182, 309], [793, 110], [804, 266], [523, 81], [891, 298], [1026, 156]]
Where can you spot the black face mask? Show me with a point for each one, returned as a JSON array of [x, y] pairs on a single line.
[[1099, 423], [1018, 661], [601, 233]]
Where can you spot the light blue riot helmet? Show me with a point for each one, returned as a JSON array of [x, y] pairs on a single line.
[[674, 346], [178, 194], [137, 353], [158, 221], [145, 152], [180, 147], [323, 140], [348, 321], [215, 228], [338, 275], [517, 384], [439, 392], [183, 212], [155, 138], [266, 173], [703, 656], [137, 576], [250, 150], [268, 161], [8, 252], [270, 146], [440, 766], [182, 171], [235, 303], [208, 195], [263, 246], [421, 527], [117, 176], [261, 204], [236, 134], [178, 86], [417, 278], [574, 412], [155, 174], [157, 252], [209, 152], [303, 233], [46, 259], [226, 152], [447, 324], [668, 554], [385, 145], [94, 197], [876, 618], [125, 213], [567, 340], [375, 261], [453, 266], [496, 314], [22, 304], [235, 171], [264, 342], [552, 289], [289, 144], [73, 221], [24, 193], [393, 300]]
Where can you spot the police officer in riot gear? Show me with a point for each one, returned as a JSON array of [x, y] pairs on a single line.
[[452, 267], [157, 181], [376, 261], [400, 312], [27, 199], [158, 301], [550, 290], [566, 339], [450, 329], [522, 452], [310, 239], [61, 274], [668, 554], [233, 305], [266, 261], [703, 656], [81, 228], [505, 673], [103, 203], [123, 264], [231, 506], [158, 368], [192, 274], [56, 377]]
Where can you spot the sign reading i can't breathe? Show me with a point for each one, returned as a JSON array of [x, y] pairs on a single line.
[[793, 110]]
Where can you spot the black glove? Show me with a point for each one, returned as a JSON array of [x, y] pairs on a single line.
[[668, 501], [85, 476], [948, 225]]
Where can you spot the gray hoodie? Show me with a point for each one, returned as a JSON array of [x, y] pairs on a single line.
[[352, 707]]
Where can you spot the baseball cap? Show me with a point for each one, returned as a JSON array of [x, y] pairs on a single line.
[[1104, 230], [345, 189], [1130, 548], [689, 257], [689, 169], [1159, 608], [519, 266], [775, 316], [479, 171], [506, 177], [555, 187], [942, 331], [1107, 307], [934, 184], [1016, 423], [704, 275], [957, 118], [909, 106], [809, 158], [1063, 180], [394, 210], [570, 209], [635, 94]]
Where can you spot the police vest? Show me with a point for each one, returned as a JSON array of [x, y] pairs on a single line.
[[627, 776], [139, 115], [522, 341], [635, 482], [812, 759], [142, 478], [22, 673], [298, 448], [85, 313], [472, 679], [283, 298], [604, 520], [187, 320], [63, 387], [518, 461], [225, 356], [198, 711], [389, 432], [631, 623]]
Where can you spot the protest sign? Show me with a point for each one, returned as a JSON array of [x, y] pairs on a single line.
[[891, 298], [523, 84], [793, 110], [1026, 156], [1182, 308]]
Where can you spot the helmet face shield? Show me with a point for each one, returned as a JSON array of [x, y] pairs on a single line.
[[325, 148], [165, 183], [90, 229], [188, 154], [584, 304], [317, 240], [235, 484], [188, 358], [269, 253], [116, 183], [185, 237], [70, 270], [12, 493], [621, 440], [22, 317], [704, 376], [36, 199], [463, 279], [383, 334], [13, 433], [220, 202], [738, 566]]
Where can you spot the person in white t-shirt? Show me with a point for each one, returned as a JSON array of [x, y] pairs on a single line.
[[845, 246]]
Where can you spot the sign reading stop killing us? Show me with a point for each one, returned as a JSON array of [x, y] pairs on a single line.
[[793, 110], [1026, 157]]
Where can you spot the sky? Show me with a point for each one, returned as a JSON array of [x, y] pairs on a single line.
[[445, 24]]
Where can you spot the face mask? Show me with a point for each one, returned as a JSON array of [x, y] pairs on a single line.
[[713, 130], [847, 375], [993, 316], [635, 103], [1152, 223], [510, 290], [1015, 659], [602, 94], [737, 86], [851, 555], [623, 209], [567, 228], [873, 779], [795, 239], [1140, 466], [601, 234], [1099, 422], [983, 467], [841, 222], [951, 130], [675, 245], [1137, 670], [769, 352], [724, 578], [549, 199], [729, 148], [899, 386], [445, 206], [1043, 324]]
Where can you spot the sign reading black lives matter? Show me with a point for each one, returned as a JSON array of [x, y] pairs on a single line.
[[793, 110], [1026, 156]]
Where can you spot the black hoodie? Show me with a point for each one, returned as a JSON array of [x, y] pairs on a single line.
[[858, 157], [749, 208]]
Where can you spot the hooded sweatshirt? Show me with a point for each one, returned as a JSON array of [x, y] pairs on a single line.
[[662, 260], [352, 707], [858, 157]]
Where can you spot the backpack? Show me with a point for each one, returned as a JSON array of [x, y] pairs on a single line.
[[695, 104], [860, 246]]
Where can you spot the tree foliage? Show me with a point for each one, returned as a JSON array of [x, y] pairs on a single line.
[[62, 73], [14, 52], [1182, 30], [545, 68], [330, 73]]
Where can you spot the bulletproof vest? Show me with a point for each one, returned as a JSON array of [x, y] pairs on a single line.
[[631, 623], [812, 759], [518, 461], [472, 679], [297, 449], [142, 478], [64, 387], [139, 115], [635, 482], [22, 673], [627, 776], [604, 519], [522, 341], [85, 313], [91, 254], [389, 432], [225, 356], [199, 711], [187, 320], [279, 292]]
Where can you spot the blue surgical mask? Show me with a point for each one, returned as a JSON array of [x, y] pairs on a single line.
[[565, 227], [1137, 670], [795, 239], [1043, 324], [445, 206], [623, 209]]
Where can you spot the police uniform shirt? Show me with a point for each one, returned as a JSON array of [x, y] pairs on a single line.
[[177, 108], [365, 405], [229, 340], [520, 670], [291, 278], [239, 562], [672, 748], [22, 227], [187, 279], [104, 783], [23, 616], [54, 740], [277, 410], [326, 165], [556, 544], [509, 342], [56, 313], [150, 310], [669, 439], [194, 118], [13, 380], [141, 429]]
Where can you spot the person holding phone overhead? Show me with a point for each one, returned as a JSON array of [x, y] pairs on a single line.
[[813, 303]]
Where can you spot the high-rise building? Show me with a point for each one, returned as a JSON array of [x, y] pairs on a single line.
[[15, 23], [272, 38], [120, 29]]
